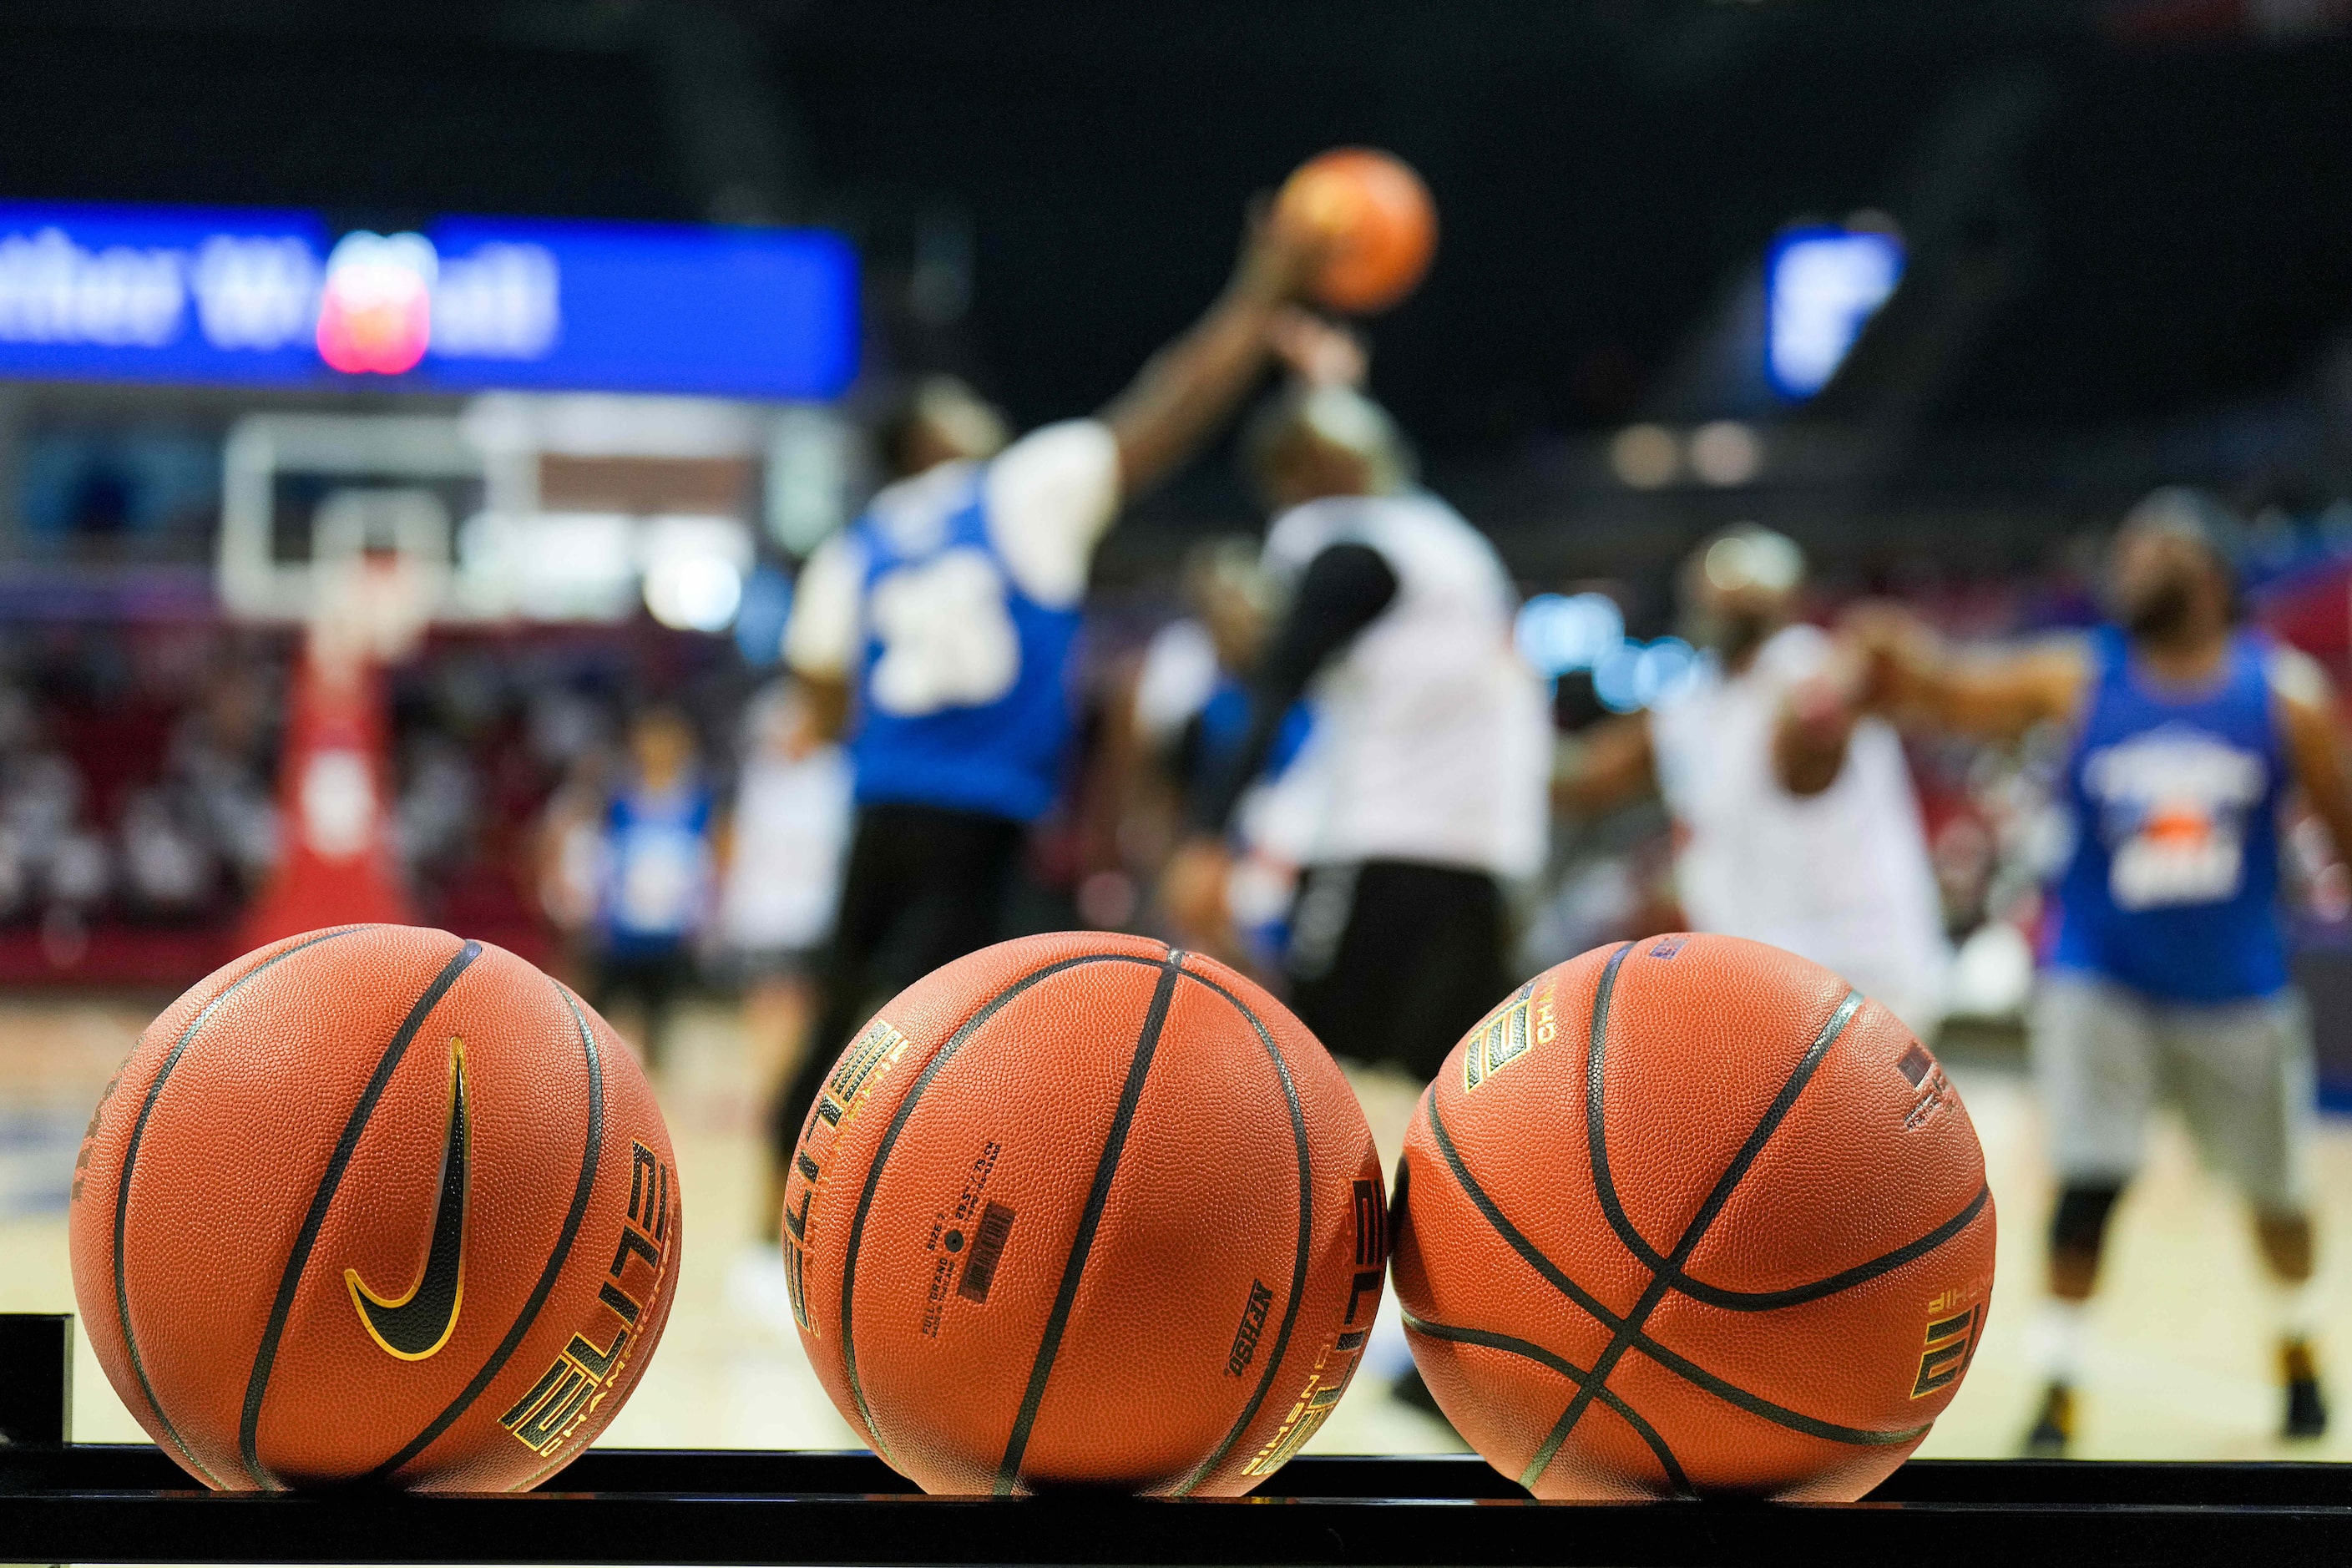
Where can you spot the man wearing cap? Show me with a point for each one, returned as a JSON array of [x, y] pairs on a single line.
[[1795, 823], [2166, 972]]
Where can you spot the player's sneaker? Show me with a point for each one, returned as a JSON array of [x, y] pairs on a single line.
[[2053, 1429], [2306, 1409]]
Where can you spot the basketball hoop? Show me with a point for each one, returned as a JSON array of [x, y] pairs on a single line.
[[368, 609], [371, 610]]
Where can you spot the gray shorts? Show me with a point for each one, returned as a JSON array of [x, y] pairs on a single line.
[[2240, 1072]]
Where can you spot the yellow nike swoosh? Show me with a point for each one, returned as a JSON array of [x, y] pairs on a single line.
[[417, 1323]]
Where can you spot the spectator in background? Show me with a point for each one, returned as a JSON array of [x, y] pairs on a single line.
[[658, 871], [783, 878], [1794, 818], [1192, 708]]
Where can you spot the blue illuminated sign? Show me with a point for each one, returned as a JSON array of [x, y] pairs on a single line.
[[170, 294], [1821, 285]]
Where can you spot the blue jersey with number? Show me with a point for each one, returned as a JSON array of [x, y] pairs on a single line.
[[656, 880], [2173, 886], [963, 690]]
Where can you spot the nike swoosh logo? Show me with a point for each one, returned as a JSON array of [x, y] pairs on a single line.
[[419, 1321]]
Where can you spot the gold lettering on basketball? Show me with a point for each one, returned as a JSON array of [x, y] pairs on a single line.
[[1312, 1407], [868, 1060], [588, 1367], [1335, 1363], [1508, 1033], [1949, 1342]]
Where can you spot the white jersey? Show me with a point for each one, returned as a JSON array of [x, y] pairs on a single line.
[[1842, 876], [1435, 741], [791, 827]]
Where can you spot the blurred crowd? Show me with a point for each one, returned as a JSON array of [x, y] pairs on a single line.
[[649, 813]]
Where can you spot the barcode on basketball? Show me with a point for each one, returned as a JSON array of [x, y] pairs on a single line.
[[987, 1246]]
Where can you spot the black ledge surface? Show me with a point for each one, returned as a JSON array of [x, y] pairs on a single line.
[[96, 1503]]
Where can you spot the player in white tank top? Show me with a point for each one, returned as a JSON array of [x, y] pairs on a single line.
[[1432, 737], [1794, 824], [1434, 727]]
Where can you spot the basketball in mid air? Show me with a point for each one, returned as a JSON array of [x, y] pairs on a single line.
[[375, 1204], [1081, 1211], [1380, 224], [1690, 1216]]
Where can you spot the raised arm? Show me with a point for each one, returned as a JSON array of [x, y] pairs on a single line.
[[820, 639], [1905, 670], [1186, 389], [2314, 743], [1343, 589], [1609, 764]]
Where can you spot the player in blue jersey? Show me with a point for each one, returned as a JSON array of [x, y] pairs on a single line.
[[2166, 976], [936, 631], [659, 862]]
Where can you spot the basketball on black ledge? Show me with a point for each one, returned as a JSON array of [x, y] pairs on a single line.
[[1081, 1211], [375, 1204], [1689, 1216]]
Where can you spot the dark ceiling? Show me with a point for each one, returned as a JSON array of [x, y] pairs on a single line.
[[2172, 219]]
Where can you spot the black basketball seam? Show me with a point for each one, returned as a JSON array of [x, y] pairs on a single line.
[[1778, 1415], [1511, 1234], [131, 1157], [1603, 1186], [1689, 1370], [564, 1241], [1568, 1369], [1661, 1279], [265, 1358], [1717, 1296], [1860, 1274], [889, 1141], [1305, 1237], [1130, 1095]]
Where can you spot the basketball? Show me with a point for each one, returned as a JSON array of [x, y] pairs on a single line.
[[1690, 1216], [1381, 225], [375, 1204], [1081, 1210]]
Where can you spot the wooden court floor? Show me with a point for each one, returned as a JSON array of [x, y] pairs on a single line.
[[2179, 1363]]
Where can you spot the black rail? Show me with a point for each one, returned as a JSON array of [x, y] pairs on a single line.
[[63, 1503]]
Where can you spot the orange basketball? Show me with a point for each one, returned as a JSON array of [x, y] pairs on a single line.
[[1381, 225], [1082, 1211], [1690, 1216], [375, 1204]]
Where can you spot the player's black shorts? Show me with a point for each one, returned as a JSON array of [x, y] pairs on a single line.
[[924, 886], [1391, 961]]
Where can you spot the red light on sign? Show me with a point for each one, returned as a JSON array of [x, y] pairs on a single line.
[[375, 304]]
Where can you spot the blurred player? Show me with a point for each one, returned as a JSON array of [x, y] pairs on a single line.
[[2167, 974], [1435, 741], [1795, 824], [1191, 682], [1190, 710], [790, 827], [657, 874], [943, 620]]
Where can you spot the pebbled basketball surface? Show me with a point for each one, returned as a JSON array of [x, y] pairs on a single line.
[[375, 1204], [1081, 1211], [1688, 1214]]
